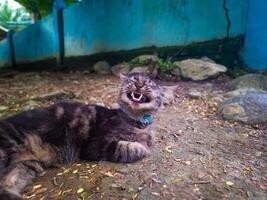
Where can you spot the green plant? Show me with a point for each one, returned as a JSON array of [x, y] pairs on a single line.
[[238, 71], [39, 8], [164, 64], [8, 15]]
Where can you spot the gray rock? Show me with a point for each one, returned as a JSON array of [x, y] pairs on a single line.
[[102, 67], [145, 60], [207, 59], [256, 81], [250, 108], [193, 93], [123, 68], [176, 70], [141, 69], [240, 91], [124, 171], [197, 69]]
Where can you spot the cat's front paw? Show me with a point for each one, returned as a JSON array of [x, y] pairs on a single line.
[[130, 151]]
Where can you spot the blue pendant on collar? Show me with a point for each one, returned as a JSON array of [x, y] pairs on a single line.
[[145, 120]]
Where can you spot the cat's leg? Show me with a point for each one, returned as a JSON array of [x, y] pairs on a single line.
[[17, 176], [129, 151]]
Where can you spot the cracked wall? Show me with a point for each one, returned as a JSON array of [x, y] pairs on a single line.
[[106, 26]]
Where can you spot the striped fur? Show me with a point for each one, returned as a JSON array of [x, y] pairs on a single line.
[[34, 140]]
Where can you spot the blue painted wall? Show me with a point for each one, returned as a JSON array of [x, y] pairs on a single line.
[[95, 26], [255, 50], [38, 42], [5, 58], [130, 24]]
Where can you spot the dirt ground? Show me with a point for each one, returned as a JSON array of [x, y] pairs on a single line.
[[197, 155]]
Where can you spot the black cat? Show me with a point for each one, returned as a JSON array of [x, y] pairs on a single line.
[[34, 140]]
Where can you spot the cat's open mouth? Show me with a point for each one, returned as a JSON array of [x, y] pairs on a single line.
[[138, 98]]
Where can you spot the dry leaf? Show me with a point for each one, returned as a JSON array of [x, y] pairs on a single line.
[[229, 183], [155, 193], [80, 190], [37, 186], [40, 190], [169, 149], [66, 191], [109, 174]]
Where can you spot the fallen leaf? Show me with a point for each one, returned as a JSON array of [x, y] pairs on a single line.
[[155, 193], [80, 190], [169, 149], [109, 174], [40, 190], [37, 186], [229, 183], [66, 192], [201, 174], [135, 196]]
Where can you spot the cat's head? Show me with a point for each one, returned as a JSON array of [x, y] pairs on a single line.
[[139, 95]]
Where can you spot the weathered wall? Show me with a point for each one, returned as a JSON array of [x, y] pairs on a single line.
[[128, 24], [95, 26], [37, 42], [5, 59], [255, 50]]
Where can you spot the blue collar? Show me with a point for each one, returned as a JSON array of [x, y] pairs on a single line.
[[145, 120]]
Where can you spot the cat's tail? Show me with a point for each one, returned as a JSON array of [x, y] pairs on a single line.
[[22, 158], [17, 176]]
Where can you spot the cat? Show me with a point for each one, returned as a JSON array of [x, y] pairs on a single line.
[[34, 140]]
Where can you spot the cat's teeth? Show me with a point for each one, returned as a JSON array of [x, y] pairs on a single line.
[[137, 99]]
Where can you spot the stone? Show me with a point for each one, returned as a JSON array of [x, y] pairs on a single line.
[[197, 69], [240, 91], [194, 93], [250, 108], [256, 81], [207, 59], [124, 171], [122, 68], [145, 60], [176, 70], [141, 69], [29, 105], [86, 72], [102, 67]]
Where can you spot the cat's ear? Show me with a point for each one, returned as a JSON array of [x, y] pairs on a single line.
[[124, 77], [168, 93]]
